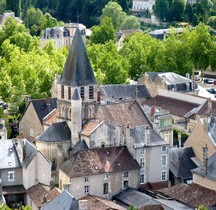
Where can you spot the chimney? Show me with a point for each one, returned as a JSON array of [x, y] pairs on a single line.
[[209, 106], [83, 204], [152, 111], [204, 167], [147, 135], [24, 150], [98, 96], [44, 199], [48, 101]]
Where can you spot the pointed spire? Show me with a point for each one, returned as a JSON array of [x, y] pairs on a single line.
[[76, 95], [77, 69]]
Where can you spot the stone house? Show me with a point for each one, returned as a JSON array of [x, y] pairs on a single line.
[[31, 122], [151, 152], [62, 36], [112, 168], [11, 185]]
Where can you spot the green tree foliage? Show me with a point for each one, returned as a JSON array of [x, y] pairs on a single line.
[[2, 6], [132, 208], [115, 12], [33, 17], [103, 33], [177, 10], [109, 66], [48, 21], [212, 22], [161, 9], [131, 22], [25, 67], [15, 6]]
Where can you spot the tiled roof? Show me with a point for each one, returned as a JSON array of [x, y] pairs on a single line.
[[154, 186], [37, 193], [175, 106], [50, 118], [122, 114], [205, 108], [99, 160], [77, 69], [180, 162], [192, 195], [100, 203], [57, 132], [89, 127]]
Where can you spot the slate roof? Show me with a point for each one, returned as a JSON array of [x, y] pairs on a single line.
[[172, 204], [99, 160], [8, 155], [172, 78], [124, 91], [133, 197], [175, 106], [43, 107], [122, 114], [81, 145], [180, 162], [77, 69], [57, 132], [192, 195], [211, 168], [138, 134], [30, 151], [41, 193], [100, 203], [62, 201]]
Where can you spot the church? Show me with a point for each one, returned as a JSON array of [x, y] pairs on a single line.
[[93, 116]]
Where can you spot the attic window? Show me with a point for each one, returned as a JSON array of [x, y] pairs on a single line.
[[62, 91], [82, 92], [91, 92], [69, 93]]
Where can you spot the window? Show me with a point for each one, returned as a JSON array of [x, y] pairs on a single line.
[[105, 188], [142, 151], [86, 179], [69, 93], [86, 189], [164, 160], [62, 91], [142, 162], [11, 176], [106, 176], [126, 184], [82, 93], [125, 173], [142, 178], [91, 92], [163, 176], [164, 148]]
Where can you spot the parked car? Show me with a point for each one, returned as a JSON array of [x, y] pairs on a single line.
[[208, 81], [3, 105]]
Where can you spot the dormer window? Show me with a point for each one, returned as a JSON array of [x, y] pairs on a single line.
[[62, 91], [91, 92], [69, 93], [82, 93]]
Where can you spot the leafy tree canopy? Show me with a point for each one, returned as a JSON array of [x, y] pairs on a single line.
[[131, 22]]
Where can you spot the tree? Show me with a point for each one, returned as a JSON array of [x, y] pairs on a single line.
[[132, 208], [177, 10], [161, 9], [48, 21], [109, 66], [15, 6], [33, 17], [115, 12], [131, 22], [103, 33], [188, 12], [2, 6], [212, 22]]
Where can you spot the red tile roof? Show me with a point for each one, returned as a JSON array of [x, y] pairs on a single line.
[[192, 195]]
